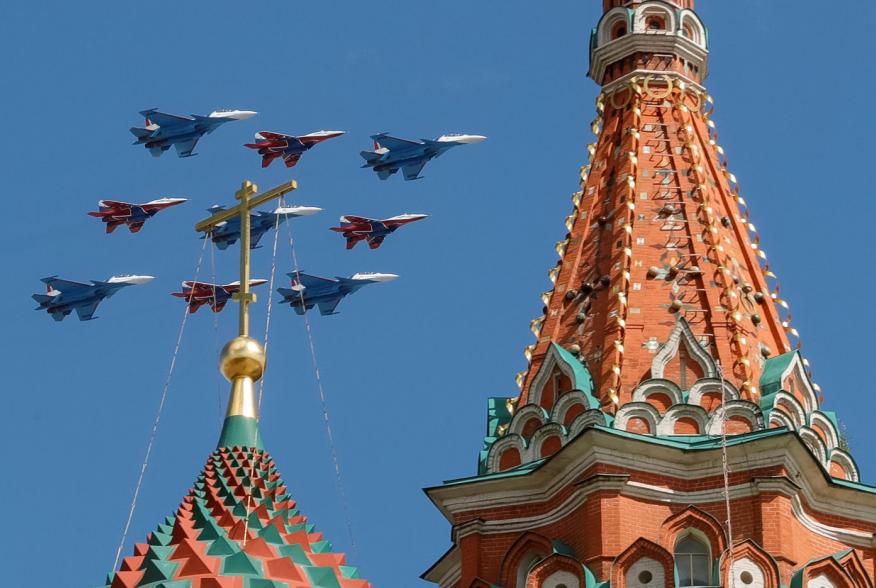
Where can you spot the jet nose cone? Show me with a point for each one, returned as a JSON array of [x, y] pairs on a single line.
[[298, 210], [237, 114], [466, 139], [472, 138], [136, 280], [381, 277]]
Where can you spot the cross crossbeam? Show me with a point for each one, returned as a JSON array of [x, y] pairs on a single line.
[[248, 201]]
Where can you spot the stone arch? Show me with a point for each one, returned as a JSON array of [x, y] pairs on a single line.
[[792, 407], [658, 386], [641, 410], [683, 335], [820, 423], [824, 573], [567, 405], [526, 551], [554, 571], [796, 370], [525, 415], [624, 565], [609, 22], [693, 519], [655, 8], [855, 569], [506, 443], [815, 445], [846, 462], [689, 21], [780, 418], [591, 418], [738, 409], [558, 359], [544, 436], [748, 556], [707, 385], [666, 426]]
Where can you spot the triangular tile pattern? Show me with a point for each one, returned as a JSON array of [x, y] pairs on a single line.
[[239, 493]]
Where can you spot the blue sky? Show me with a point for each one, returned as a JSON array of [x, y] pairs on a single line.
[[407, 365]]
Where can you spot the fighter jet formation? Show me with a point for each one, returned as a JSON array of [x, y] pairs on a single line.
[[372, 231], [114, 213], [326, 293], [64, 296], [163, 130], [228, 232]]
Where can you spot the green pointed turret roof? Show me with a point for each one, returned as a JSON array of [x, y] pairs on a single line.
[[237, 527]]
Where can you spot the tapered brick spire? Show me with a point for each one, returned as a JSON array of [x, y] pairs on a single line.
[[664, 317], [667, 433]]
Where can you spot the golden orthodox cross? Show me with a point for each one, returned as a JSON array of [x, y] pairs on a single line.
[[248, 201]]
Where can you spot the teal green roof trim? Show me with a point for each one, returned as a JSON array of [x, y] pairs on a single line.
[[497, 415], [773, 368], [583, 379], [240, 431], [561, 548]]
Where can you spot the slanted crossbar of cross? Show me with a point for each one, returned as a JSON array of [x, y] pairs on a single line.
[[248, 201]]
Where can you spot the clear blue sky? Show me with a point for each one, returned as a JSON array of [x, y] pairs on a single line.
[[407, 365]]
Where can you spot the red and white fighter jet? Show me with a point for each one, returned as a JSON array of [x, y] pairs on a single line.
[[360, 228], [115, 213], [215, 295], [289, 147]]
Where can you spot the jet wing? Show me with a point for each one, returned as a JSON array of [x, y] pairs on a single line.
[[270, 136], [309, 281], [375, 242], [391, 142], [64, 285], [86, 312], [185, 148], [256, 234], [291, 159], [349, 218], [412, 172], [115, 204], [328, 307], [162, 119]]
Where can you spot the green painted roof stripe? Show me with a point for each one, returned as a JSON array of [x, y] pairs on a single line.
[[240, 431], [583, 379]]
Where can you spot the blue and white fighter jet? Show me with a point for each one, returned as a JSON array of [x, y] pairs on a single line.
[[392, 154], [63, 296], [327, 293], [163, 130], [227, 232]]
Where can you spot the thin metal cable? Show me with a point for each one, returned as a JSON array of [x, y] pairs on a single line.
[[157, 421], [262, 382], [726, 470], [209, 237], [339, 481]]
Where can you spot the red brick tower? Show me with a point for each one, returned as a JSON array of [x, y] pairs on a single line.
[[668, 432]]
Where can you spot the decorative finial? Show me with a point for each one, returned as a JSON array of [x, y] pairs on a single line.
[[242, 362]]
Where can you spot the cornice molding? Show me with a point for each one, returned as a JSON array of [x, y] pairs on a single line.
[[805, 483], [658, 44]]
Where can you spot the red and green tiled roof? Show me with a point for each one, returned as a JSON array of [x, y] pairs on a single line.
[[238, 494]]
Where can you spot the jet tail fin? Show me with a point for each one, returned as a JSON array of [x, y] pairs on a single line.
[[42, 298], [140, 133], [370, 156]]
